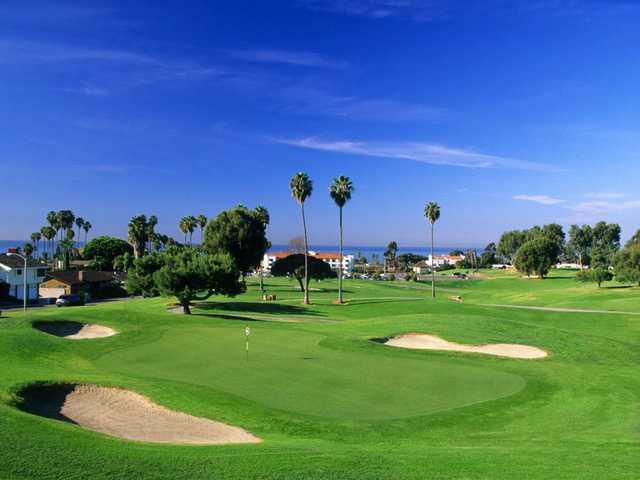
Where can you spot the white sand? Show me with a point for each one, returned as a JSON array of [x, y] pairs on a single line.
[[75, 331], [125, 414], [421, 341]]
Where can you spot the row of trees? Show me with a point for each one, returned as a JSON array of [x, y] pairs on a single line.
[[536, 250], [189, 224], [58, 237], [233, 244]]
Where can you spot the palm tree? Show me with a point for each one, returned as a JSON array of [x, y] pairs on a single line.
[[137, 232], [49, 233], [35, 238], [192, 224], [432, 213], [183, 225], [86, 227], [202, 222], [263, 214], [52, 220], [79, 224], [27, 250], [340, 191], [301, 187], [66, 219], [151, 229]]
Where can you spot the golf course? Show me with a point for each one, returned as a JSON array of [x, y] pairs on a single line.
[[323, 392]]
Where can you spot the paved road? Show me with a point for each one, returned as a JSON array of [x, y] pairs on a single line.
[[558, 309]]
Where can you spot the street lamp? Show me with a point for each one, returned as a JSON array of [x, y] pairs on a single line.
[[24, 276]]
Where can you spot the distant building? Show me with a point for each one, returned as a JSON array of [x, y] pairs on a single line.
[[424, 266], [12, 274], [440, 260], [76, 282], [333, 259]]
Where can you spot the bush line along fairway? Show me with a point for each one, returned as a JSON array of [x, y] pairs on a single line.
[[329, 403]]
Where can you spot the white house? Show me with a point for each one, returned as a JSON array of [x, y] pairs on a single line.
[[333, 259], [440, 260], [12, 273]]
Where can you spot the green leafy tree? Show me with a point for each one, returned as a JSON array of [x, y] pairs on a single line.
[[102, 251], [432, 214], [122, 263], [240, 233], [580, 243], [66, 219], [140, 275], [340, 191], [509, 244], [606, 242], [49, 233], [626, 264], [391, 253], [596, 274], [301, 188], [192, 274], [488, 256], [296, 265], [28, 249], [634, 241], [537, 256]]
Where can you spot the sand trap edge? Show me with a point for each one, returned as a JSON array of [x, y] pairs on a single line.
[[71, 330], [123, 414], [425, 341]]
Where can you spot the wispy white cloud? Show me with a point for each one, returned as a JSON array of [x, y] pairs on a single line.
[[301, 59], [86, 90], [316, 101], [605, 195], [541, 199], [378, 9], [604, 207], [30, 52], [433, 154]]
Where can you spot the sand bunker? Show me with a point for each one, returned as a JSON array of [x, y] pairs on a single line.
[[128, 415], [421, 341], [74, 330]]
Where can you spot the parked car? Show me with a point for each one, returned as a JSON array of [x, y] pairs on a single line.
[[69, 300]]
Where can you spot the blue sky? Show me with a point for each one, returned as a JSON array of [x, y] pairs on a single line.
[[507, 113]]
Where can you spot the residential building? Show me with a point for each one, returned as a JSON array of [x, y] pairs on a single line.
[[332, 258], [12, 274], [440, 260], [69, 282]]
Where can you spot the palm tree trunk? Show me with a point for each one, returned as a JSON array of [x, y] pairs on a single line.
[[340, 300], [433, 273], [306, 258]]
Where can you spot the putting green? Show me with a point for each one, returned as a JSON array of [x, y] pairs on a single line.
[[295, 373]]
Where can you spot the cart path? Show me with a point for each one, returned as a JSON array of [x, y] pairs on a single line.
[[558, 309]]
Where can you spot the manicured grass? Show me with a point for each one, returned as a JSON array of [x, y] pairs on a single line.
[[328, 402]]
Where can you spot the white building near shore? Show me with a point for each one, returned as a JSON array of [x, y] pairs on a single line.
[[332, 258], [12, 273]]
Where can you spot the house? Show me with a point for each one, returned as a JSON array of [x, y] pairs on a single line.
[[333, 259], [69, 282], [440, 260], [12, 274], [421, 268]]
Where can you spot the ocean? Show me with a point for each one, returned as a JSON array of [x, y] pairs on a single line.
[[367, 251]]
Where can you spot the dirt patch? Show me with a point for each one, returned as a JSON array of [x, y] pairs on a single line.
[[127, 415], [422, 341], [74, 330]]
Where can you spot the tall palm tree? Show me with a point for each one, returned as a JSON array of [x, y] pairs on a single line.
[[340, 191], [202, 222], [432, 213], [49, 233], [151, 229], [79, 224], [301, 187], [137, 233], [192, 224], [86, 227], [66, 218], [35, 238], [183, 225]]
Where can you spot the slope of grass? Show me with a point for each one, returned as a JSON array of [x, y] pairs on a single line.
[[331, 404]]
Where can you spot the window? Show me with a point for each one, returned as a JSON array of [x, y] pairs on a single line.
[[42, 272], [19, 271]]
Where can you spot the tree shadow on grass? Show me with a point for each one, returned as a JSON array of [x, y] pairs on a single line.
[[256, 307]]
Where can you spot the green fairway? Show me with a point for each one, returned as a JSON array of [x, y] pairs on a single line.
[[329, 402]]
